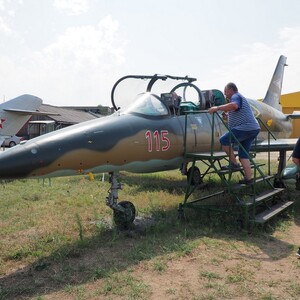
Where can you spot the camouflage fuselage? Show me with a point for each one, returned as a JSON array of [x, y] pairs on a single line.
[[125, 142], [131, 142]]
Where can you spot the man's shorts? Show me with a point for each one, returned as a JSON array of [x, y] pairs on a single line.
[[245, 138]]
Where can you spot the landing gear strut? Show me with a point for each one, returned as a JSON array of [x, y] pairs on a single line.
[[124, 211]]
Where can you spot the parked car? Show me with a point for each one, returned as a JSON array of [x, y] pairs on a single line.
[[12, 141]]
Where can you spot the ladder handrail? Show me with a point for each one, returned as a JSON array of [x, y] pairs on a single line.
[[231, 135], [269, 134], [236, 140]]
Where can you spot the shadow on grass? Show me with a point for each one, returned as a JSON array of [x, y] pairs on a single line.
[[153, 182], [111, 251]]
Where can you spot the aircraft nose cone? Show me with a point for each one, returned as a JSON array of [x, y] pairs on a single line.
[[14, 163]]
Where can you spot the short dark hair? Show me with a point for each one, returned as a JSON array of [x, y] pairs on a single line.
[[232, 86]]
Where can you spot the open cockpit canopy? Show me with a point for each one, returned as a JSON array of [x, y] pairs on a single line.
[[162, 95]]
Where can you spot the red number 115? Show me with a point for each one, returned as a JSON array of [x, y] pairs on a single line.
[[161, 141]]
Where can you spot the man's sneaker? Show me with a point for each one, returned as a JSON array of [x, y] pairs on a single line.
[[246, 181], [298, 253], [231, 166]]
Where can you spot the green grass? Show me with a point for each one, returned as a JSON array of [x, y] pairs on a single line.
[[210, 275], [59, 238]]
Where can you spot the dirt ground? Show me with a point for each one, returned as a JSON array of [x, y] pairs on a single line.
[[262, 272], [216, 269]]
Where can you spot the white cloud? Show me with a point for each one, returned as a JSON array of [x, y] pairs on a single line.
[[2, 4], [6, 11], [79, 66], [71, 7], [83, 62], [11, 13], [5, 3], [4, 28], [86, 46], [253, 67], [291, 48]]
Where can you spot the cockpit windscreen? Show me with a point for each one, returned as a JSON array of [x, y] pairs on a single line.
[[149, 105]]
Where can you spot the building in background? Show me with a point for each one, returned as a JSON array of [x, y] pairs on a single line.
[[60, 117], [291, 102]]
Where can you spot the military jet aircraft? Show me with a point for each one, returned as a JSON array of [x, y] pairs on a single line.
[[15, 113], [154, 133]]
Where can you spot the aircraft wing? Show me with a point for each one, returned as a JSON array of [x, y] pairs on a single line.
[[274, 145], [30, 112], [15, 113], [294, 115]]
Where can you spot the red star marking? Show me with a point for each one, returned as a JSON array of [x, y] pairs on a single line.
[[1, 121]]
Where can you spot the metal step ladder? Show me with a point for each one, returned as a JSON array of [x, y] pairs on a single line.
[[251, 204]]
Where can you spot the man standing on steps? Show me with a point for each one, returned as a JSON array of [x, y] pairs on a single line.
[[244, 126]]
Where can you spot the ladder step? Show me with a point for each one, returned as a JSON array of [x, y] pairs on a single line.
[[238, 170], [267, 194], [260, 179], [273, 211], [207, 155], [238, 186]]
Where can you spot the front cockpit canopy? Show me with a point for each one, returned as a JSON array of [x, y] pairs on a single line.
[[149, 105]]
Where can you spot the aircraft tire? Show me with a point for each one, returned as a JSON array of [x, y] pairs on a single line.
[[196, 176], [123, 220]]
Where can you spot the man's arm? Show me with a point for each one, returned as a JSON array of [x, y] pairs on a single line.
[[225, 107]]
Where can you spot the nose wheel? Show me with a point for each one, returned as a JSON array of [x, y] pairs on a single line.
[[124, 211], [125, 218]]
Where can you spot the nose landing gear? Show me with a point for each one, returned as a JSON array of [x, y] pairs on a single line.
[[124, 211]]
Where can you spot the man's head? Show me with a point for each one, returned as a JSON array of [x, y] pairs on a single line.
[[230, 89]]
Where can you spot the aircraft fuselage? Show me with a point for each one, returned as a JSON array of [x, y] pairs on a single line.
[[131, 142]]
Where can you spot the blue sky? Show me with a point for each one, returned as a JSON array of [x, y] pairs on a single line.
[[70, 52]]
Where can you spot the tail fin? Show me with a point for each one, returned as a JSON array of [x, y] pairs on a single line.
[[15, 113], [272, 97]]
